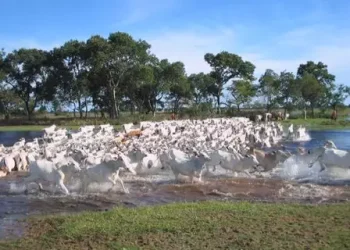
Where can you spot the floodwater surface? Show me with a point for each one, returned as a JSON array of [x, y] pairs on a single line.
[[293, 183]]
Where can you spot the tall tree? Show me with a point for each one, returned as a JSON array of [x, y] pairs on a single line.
[[180, 88], [74, 89], [288, 90], [321, 74], [9, 101], [116, 57], [242, 92], [28, 73], [2, 65], [200, 85], [154, 91], [137, 91], [225, 67], [269, 87], [311, 90], [339, 96]]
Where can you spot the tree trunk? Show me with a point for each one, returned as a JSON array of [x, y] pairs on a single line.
[[304, 113], [86, 107], [312, 111], [74, 109], [80, 109], [218, 103], [114, 106], [153, 106], [29, 113]]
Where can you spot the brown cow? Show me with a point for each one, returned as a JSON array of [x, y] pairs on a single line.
[[334, 115]]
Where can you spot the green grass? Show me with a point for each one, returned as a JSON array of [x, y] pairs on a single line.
[[320, 123], [204, 225]]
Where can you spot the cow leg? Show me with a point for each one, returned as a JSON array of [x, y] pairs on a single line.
[[200, 176], [247, 173], [176, 174], [122, 183], [61, 184], [323, 167], [40, 186], [192, 179]]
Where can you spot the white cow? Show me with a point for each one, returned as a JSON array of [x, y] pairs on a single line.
[[233, 161], [330, 156], [180, 163], [107, 171], [268, 117], [44, 170]]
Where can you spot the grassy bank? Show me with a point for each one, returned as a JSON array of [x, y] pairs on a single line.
[[205, 225], [320, 123]]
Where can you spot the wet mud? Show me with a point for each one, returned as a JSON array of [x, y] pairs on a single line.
[[15, 208]]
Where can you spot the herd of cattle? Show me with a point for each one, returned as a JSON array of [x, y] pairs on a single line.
[[190, 148]]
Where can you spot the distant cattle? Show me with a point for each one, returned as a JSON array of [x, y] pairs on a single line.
[[334, 115]]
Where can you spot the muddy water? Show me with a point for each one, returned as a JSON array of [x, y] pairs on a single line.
[[13, 208], [15, 205]]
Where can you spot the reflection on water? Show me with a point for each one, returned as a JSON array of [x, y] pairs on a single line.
[[11, 137]]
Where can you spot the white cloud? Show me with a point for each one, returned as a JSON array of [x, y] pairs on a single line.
[[139, 10], [190, 46], [13, 44]]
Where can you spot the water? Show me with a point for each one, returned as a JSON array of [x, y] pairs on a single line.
[[9, 138], [295, 182], [341, 138]]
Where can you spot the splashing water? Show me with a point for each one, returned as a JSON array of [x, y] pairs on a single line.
[[302, 138], [297, 168]]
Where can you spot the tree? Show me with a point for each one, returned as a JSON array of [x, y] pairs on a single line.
[[225, 67], [138, 90], [311, 90], [288, 90], [153, 91], [180, 88], [2, 65], [200, 86], [321, 74], [9, 102], [74, 87], [269, 86], [242, 92], [28, 74], [116, 57], [339, 96]]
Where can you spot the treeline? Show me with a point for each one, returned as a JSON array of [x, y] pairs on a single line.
[[109, 75]]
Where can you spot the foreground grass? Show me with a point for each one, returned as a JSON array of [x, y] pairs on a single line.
[[205, 225], [320, 123]]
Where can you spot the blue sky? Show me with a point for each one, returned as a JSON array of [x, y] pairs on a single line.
[[270, 33]]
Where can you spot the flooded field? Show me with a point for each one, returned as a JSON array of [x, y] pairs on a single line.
[[290, 184]]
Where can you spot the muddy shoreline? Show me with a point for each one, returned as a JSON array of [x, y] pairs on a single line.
[[15, 208]]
